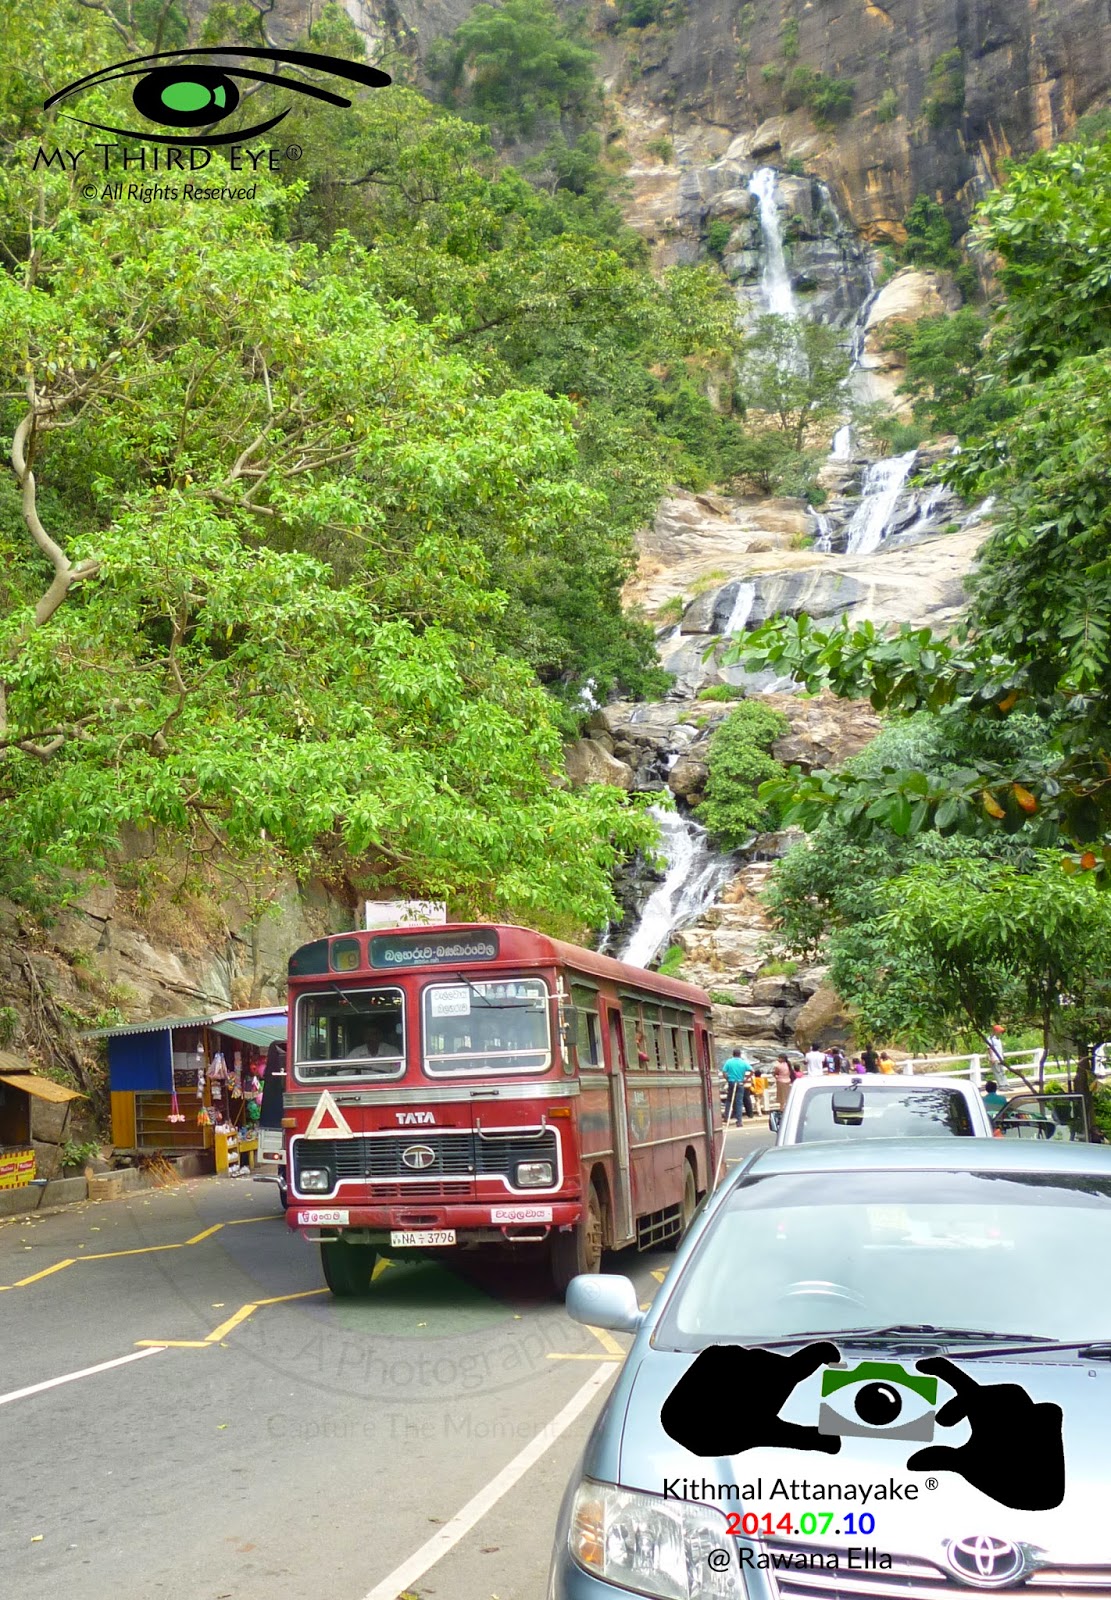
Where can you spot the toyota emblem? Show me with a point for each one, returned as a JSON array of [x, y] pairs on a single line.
[[419, 1157], [985, 1561]]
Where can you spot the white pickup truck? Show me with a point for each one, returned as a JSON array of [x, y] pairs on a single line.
[[930, 1106]]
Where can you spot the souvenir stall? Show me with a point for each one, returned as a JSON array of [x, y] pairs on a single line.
[[189, 1084]]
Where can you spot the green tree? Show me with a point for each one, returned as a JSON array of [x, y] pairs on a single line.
[[517, 65], [739, 762], [252, 544], [946, 378], [944, 100], [793, 374]]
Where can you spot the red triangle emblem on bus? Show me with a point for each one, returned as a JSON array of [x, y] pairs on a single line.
[[328, 1121]]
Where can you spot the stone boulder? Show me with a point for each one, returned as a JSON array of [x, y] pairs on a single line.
[[824, 731], [746, 1022], [588, 761], [688, 777], [823, 1020]]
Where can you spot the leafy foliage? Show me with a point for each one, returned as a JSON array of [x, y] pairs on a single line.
[[517, 66], [739, 762], [828, 99], [793, 375], [944, 99], [945, 377]]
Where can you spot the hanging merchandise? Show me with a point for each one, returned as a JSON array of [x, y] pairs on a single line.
[[176, 1113], [217, 1068]]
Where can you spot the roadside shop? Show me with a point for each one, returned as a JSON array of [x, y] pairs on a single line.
[[181, 1085], [34, 1114]]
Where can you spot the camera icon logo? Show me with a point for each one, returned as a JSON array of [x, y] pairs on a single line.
[[877, 1400]]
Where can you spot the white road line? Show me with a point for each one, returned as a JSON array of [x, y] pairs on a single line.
[[404, 1576], [71, 1377]]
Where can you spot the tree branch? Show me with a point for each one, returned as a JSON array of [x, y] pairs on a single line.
[[65, 573]]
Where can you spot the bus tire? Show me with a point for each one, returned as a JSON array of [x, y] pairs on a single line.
[[283, 1194], [580, 1248], [347, 1267]]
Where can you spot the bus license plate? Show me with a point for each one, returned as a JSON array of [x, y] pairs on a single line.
[[430, 1236]]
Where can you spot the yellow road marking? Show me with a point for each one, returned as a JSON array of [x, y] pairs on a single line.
[[140, 1250], [558, 1355], [22, 1283], [659, 1275], [607, 1341], [219, 1334]]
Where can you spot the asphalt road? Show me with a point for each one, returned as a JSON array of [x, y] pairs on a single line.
[[243, 1436]]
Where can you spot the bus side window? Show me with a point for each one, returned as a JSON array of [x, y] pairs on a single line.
[[636, 1053], [686, 1054], [585, 1033], [666, 1047]]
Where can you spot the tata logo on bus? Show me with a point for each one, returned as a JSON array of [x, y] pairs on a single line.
[[419, 1157], [415, 1119]]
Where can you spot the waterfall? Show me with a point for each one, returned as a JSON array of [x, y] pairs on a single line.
[[694, 876], [824, 540], [842, 449], [743, 602], [775, 284], [882, 486]]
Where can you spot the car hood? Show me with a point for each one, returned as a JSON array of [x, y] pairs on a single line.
[[1073, 1533]]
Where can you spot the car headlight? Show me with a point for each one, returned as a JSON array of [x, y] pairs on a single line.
[[533, 1174], [651, 1545], [314, 1180]]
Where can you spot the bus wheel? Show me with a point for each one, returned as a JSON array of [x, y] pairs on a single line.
[[347, 1267], [580, 1250]]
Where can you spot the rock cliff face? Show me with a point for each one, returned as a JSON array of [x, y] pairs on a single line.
[[923, 120]]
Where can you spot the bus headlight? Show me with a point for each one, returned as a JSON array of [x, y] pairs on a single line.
[[314, 1180], [653, 1546], [533, 1174]]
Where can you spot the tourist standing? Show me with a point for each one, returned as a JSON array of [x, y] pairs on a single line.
[[870, 1059], [783, 1077], [815, 1062], [734, 1068]]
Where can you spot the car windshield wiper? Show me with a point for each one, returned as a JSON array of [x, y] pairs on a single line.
[[1090, 1349], [915, 1331]]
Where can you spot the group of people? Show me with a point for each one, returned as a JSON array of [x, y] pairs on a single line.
[[744, 1082]]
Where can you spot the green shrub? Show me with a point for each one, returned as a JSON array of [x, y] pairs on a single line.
[[722, 691], [739, 762], [887, 106], [717, 236], [929, 241], [828, 99], [662, 147], [796, 167], [779, 969], [672, 609], [719, 998], [527, 67], [640, 13], [772, 72], [944, 100], [789, 39], [672, 961]]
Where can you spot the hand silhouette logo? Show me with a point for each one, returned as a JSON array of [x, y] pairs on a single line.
[[1008, 1427], [695, 1416], [1009, 1430]]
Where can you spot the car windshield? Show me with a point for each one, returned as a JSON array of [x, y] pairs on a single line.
[[486, 1027], [823, 1252], [887, 1112]]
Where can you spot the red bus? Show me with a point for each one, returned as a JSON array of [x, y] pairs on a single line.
[[479, 1084]]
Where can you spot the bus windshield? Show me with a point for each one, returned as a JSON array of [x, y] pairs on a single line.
[[486, 1027], [350, 1033]]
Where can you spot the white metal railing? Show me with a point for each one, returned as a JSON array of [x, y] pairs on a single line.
[[999, 1067]]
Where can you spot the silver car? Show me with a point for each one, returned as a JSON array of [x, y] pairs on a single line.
[[772, 1436]]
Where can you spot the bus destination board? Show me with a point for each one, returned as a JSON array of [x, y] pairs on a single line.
[[398, 950]]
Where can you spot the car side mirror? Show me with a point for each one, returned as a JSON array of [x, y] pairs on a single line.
[[774, 1120], [848, 1108], [604, 1300]]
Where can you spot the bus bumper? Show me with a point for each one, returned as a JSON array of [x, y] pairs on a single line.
[[473, 1224]]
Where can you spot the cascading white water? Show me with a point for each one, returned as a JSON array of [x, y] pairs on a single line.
[[883, 484], [842, 448], [775, 282], [694, 876], [743, 603], [823, 541]]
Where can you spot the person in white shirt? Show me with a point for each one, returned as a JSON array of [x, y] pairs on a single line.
[[815, 1062], [374, 1044]]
